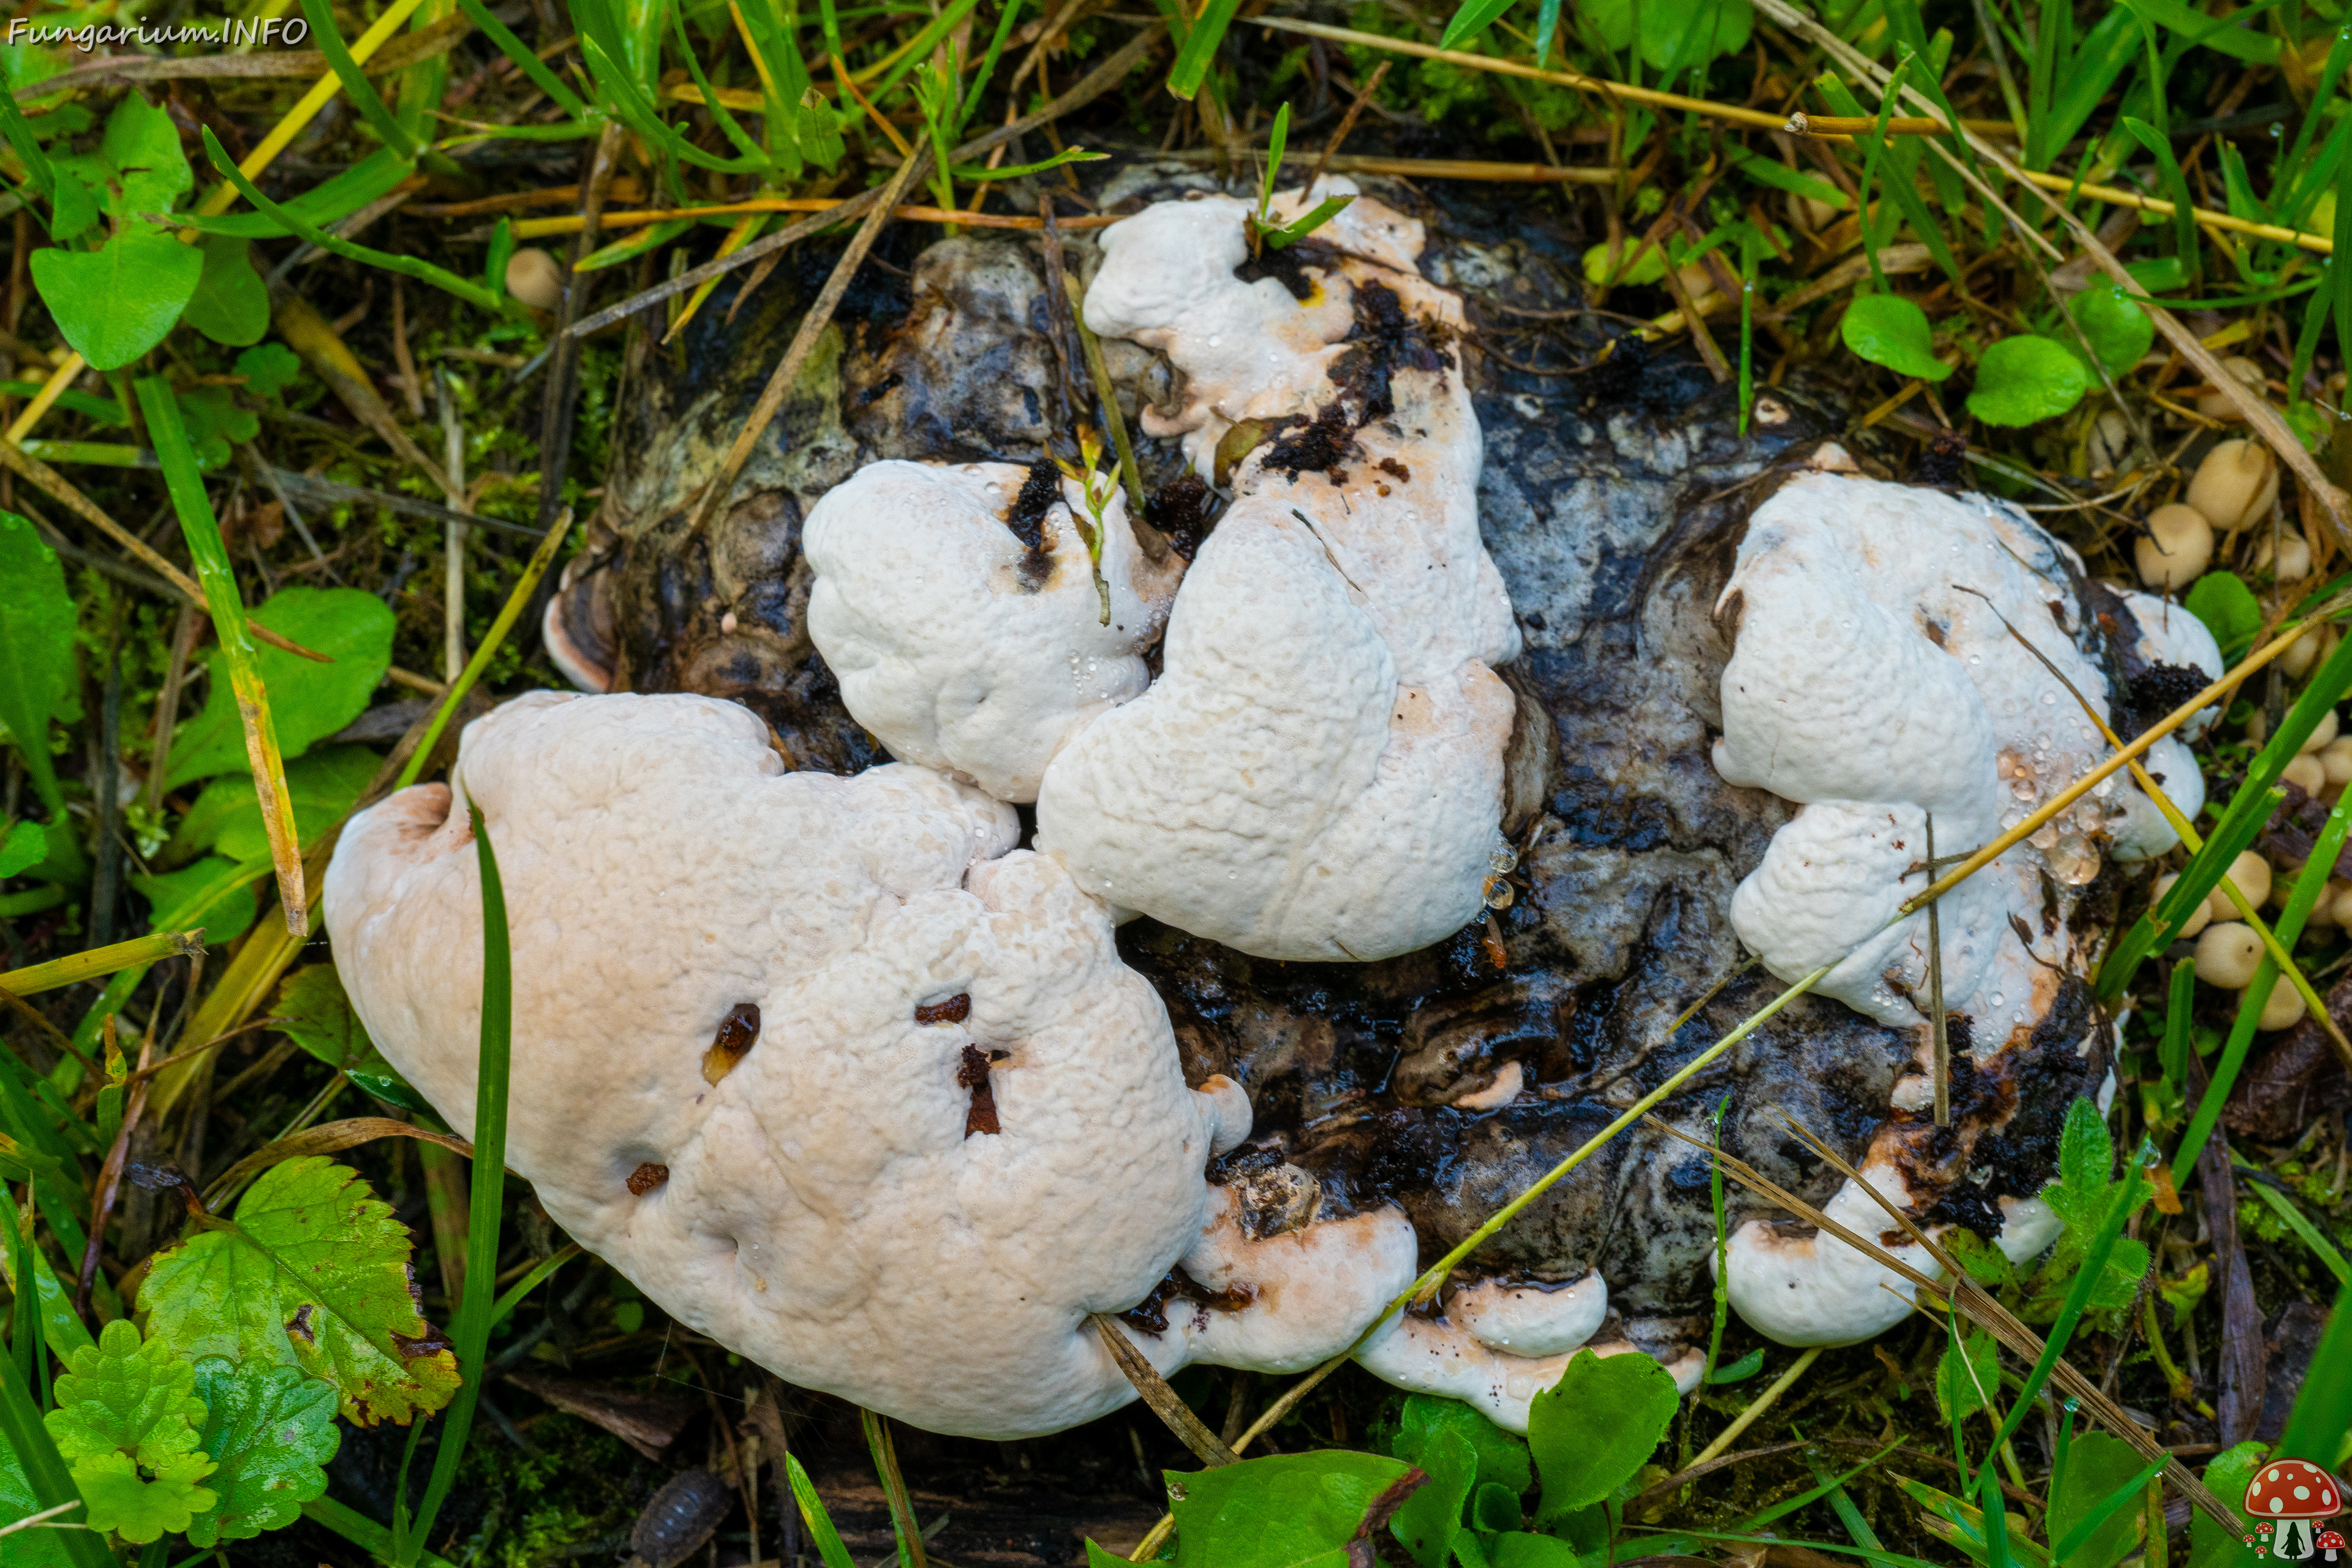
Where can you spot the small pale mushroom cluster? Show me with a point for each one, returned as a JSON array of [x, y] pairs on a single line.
[[843, 1075]]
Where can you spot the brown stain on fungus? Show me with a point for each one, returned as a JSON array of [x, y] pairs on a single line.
[[1150, 1314], [1395, 470], [646, 1177], [954, 1010], [737, 1033], [973, 1075]]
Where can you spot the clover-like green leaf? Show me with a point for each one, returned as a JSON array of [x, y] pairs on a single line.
[[142, 1509], [307, 700], [1523, 1549], [2113, 324], [2025, 379], [1502, 1457], [2228, 608], [1292, 1510], [1888, 330], [118, 301], [269, 369], [1432, 1518], [25, 844], [139, 166], [37, 625], [315, 1273], [1967, 1373], [269, 1429], [230, 305], [127, 1395], [318, 1017], [1595, 1427]]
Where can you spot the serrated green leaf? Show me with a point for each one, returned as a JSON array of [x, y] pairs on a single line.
[[309, 701], [2116, 326], [2025, 379], [1596, 1426], [2086, 1165], [139, 166], [37, 625], [1431, 1517], [26, 844], [1888, 330], [269, 1429], [118, 301], [1292, 1510], [128, 1395], [230, 305], [227, 817], [315, 1274], [2228, 608], [141, 1509]]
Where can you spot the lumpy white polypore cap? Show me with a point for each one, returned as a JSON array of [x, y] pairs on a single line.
[[1317, 772], [824, 1211], [1871, 685], [962, 647]]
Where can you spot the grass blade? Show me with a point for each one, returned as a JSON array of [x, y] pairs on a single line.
[[813, 1514], [152, 948], [490, 1084], [53, 1486], [524, 587], [355, 84], [894, 1487], [2306, 1232], [1192, 61], [185, 485], [2323, 1411]]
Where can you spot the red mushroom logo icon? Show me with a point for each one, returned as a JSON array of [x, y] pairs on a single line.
[[2297, 1495], [2331, 1543]]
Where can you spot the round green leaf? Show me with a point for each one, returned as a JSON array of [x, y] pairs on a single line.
[[116, 302], [308, 701], [2027, 378], [230, 304], [1888, 330], [2115, 325]]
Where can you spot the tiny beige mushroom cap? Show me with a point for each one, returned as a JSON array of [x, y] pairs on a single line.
[[829, 1210], [2307, 772], [2323, 733], [2336, 759], [2284, 1008], [2304, 652], [2343, 907], [2198, 920], [2216, 404], [535, 278], [2292, 558], [2227, 953], [2235, 484], [2176, 549], [2251, 875]]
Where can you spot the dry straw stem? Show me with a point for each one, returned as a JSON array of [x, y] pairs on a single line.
[[1189, 1429], [1821, 126], [306, 109], [100, 962], [44, 400], [328, 1138], [1471, 169], [257, 966], [539, 228], [1757, 1407], [1093, 85], [314, 339], [57, 488], [812, 327], [2259, 415], [1969, 1299], [2188, 835]]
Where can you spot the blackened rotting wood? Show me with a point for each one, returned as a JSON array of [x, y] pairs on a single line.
[[973, 1075], [1180, 509], [954, 1010], [681, 1518], [737, 1033], [1039, 491]]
